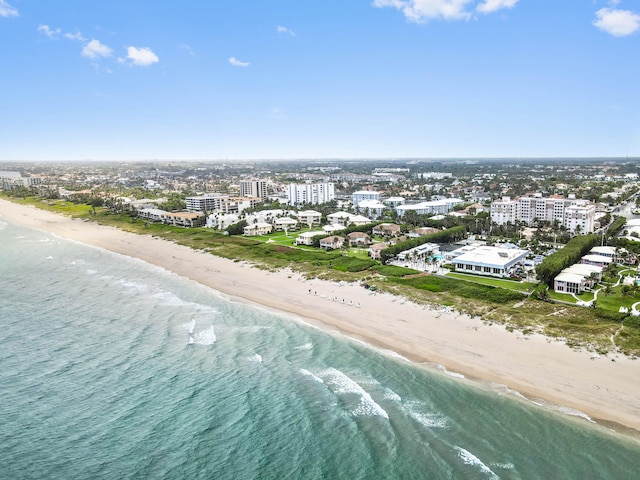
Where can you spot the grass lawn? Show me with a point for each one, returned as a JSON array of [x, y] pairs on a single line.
[[523, 287]]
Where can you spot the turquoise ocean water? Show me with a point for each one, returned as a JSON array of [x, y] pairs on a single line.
[[112, 368]]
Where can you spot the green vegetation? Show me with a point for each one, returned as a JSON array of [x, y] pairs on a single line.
[[450, 235], [523, 287]]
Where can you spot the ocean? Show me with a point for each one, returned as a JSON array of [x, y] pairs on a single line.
[[113, 368]]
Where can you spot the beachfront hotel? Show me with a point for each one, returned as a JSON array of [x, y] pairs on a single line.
[[310, 193]]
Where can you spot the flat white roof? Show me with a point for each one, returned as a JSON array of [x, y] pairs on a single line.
[[583, 268], [569, 277], [604, 250], [491, 256], [597, 258]]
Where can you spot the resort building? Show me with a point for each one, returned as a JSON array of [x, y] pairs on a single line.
[[605, 251], [153, 214], [310, 193], [393, 202], [220, 203], [567, 282], [504, 211], [203, 203], [490, 261], [422, 252]]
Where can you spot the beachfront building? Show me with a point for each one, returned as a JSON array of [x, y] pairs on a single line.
[[203, 203], [340, 218], [310, 193], [568, 282], [253, 188], [422, 252], [580, 218], [605, 251], [442, 207], [376, 248], [363, 195], [333, 242], [597, 260], [592, 273], [490, 261], [152, 214], [306, 238], [222, 220], [216, 202], [309, 217], [259, 228], [184, 219], [358, 239]]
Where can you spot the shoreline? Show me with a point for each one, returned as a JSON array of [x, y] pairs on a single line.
[[605, 389]]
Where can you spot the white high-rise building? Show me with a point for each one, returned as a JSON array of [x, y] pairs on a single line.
[[310, 193], [253, 188], [570, 212]]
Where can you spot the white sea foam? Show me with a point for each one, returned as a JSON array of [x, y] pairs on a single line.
[[504, 389], [428, 420], [448, 373], [257, 358], [205, 337], [569, 411], [306, 346], [470, 459], [391, 353], [341, 384], [391, 395], [91, 272], [309, 374], [189, 326]]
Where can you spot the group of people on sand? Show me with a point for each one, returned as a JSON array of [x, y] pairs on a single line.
[[335, 299]]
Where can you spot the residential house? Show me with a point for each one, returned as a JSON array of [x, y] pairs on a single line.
[[358, 239], [259, 228], [386, 230], [376, 248], [332, 243], [309, 217], [306, 238]]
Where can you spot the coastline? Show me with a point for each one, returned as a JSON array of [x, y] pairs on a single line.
[[536, 367]]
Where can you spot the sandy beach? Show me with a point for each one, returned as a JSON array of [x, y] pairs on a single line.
[[604, 388]]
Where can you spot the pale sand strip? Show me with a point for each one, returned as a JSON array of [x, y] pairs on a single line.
[[534, 366]]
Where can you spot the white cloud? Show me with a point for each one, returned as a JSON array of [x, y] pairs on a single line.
[[75, 36], [285, 31], [618, 23], [7, 10], [237, 63], [95, 49], [47, 31], [490, 6], [142, 57], [423, 10]]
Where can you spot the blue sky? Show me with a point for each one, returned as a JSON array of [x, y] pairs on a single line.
[[249, 79]]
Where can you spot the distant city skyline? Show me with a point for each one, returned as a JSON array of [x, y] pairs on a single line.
[[243, 79]]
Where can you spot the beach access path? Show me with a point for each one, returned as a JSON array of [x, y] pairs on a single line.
[[604, 388]]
